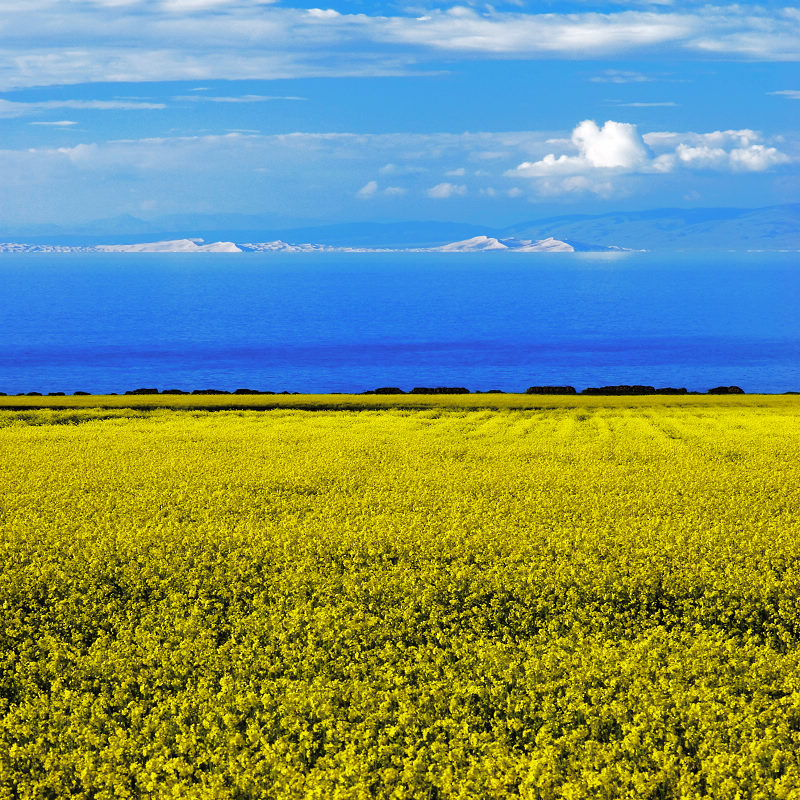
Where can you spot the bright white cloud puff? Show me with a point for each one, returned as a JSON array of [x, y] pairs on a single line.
[[617, 145]]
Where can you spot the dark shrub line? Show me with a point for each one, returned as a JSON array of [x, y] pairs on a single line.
[[620, 389]]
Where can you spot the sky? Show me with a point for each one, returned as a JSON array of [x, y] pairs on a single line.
[[472, 112]]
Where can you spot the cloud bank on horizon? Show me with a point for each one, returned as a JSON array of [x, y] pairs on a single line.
[[372, 110]]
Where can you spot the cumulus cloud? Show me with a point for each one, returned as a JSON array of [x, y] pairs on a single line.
[[444, 190], [618, 148], [754, 158], [668, 140], [323, 13], [617, 145], [373, 189], [368, 190], [51, 42], [743, 150]]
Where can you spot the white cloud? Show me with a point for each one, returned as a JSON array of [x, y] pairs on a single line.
[[368, 190], [617, 145], [323, 13], [9, 108], [538, 35], [792, 94], [61, 123], [101, 105], [372, 189], [444, 190], [621, 76], [755, 158], [613, 148], [578, 184], [55, 42], [728, 138], [618, 148], [320, 173], [184, 6], [733, 150], [456, 173], [401, 169], [247, 98], [663, 104]]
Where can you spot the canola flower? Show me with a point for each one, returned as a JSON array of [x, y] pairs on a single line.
[[592, 598]]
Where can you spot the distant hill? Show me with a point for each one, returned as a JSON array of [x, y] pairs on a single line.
[[379, 234], [243, 229], [472, 245], [481, 244], [772, 228]]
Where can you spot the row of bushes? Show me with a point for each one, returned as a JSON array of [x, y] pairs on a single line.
[[622, 389], [149, 391]]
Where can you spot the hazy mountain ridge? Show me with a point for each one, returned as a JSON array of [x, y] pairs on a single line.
[[509, 244], [472, 245], [770, 228]]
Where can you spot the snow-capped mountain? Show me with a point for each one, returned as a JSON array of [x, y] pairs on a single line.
[[483, 243], [172, 246], [474, 244]]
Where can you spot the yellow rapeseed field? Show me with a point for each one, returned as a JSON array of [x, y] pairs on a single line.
[[361, 598]]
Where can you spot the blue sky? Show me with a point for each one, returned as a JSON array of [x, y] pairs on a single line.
[[381, 111]]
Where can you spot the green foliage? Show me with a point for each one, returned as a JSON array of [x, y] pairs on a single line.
[[596, 599]]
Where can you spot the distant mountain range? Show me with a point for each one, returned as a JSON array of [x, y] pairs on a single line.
[[771, 228], [474, 244]]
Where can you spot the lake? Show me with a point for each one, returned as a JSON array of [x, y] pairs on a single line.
[[337, 322]]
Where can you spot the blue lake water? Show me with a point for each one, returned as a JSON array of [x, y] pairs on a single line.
[[350, 322]]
